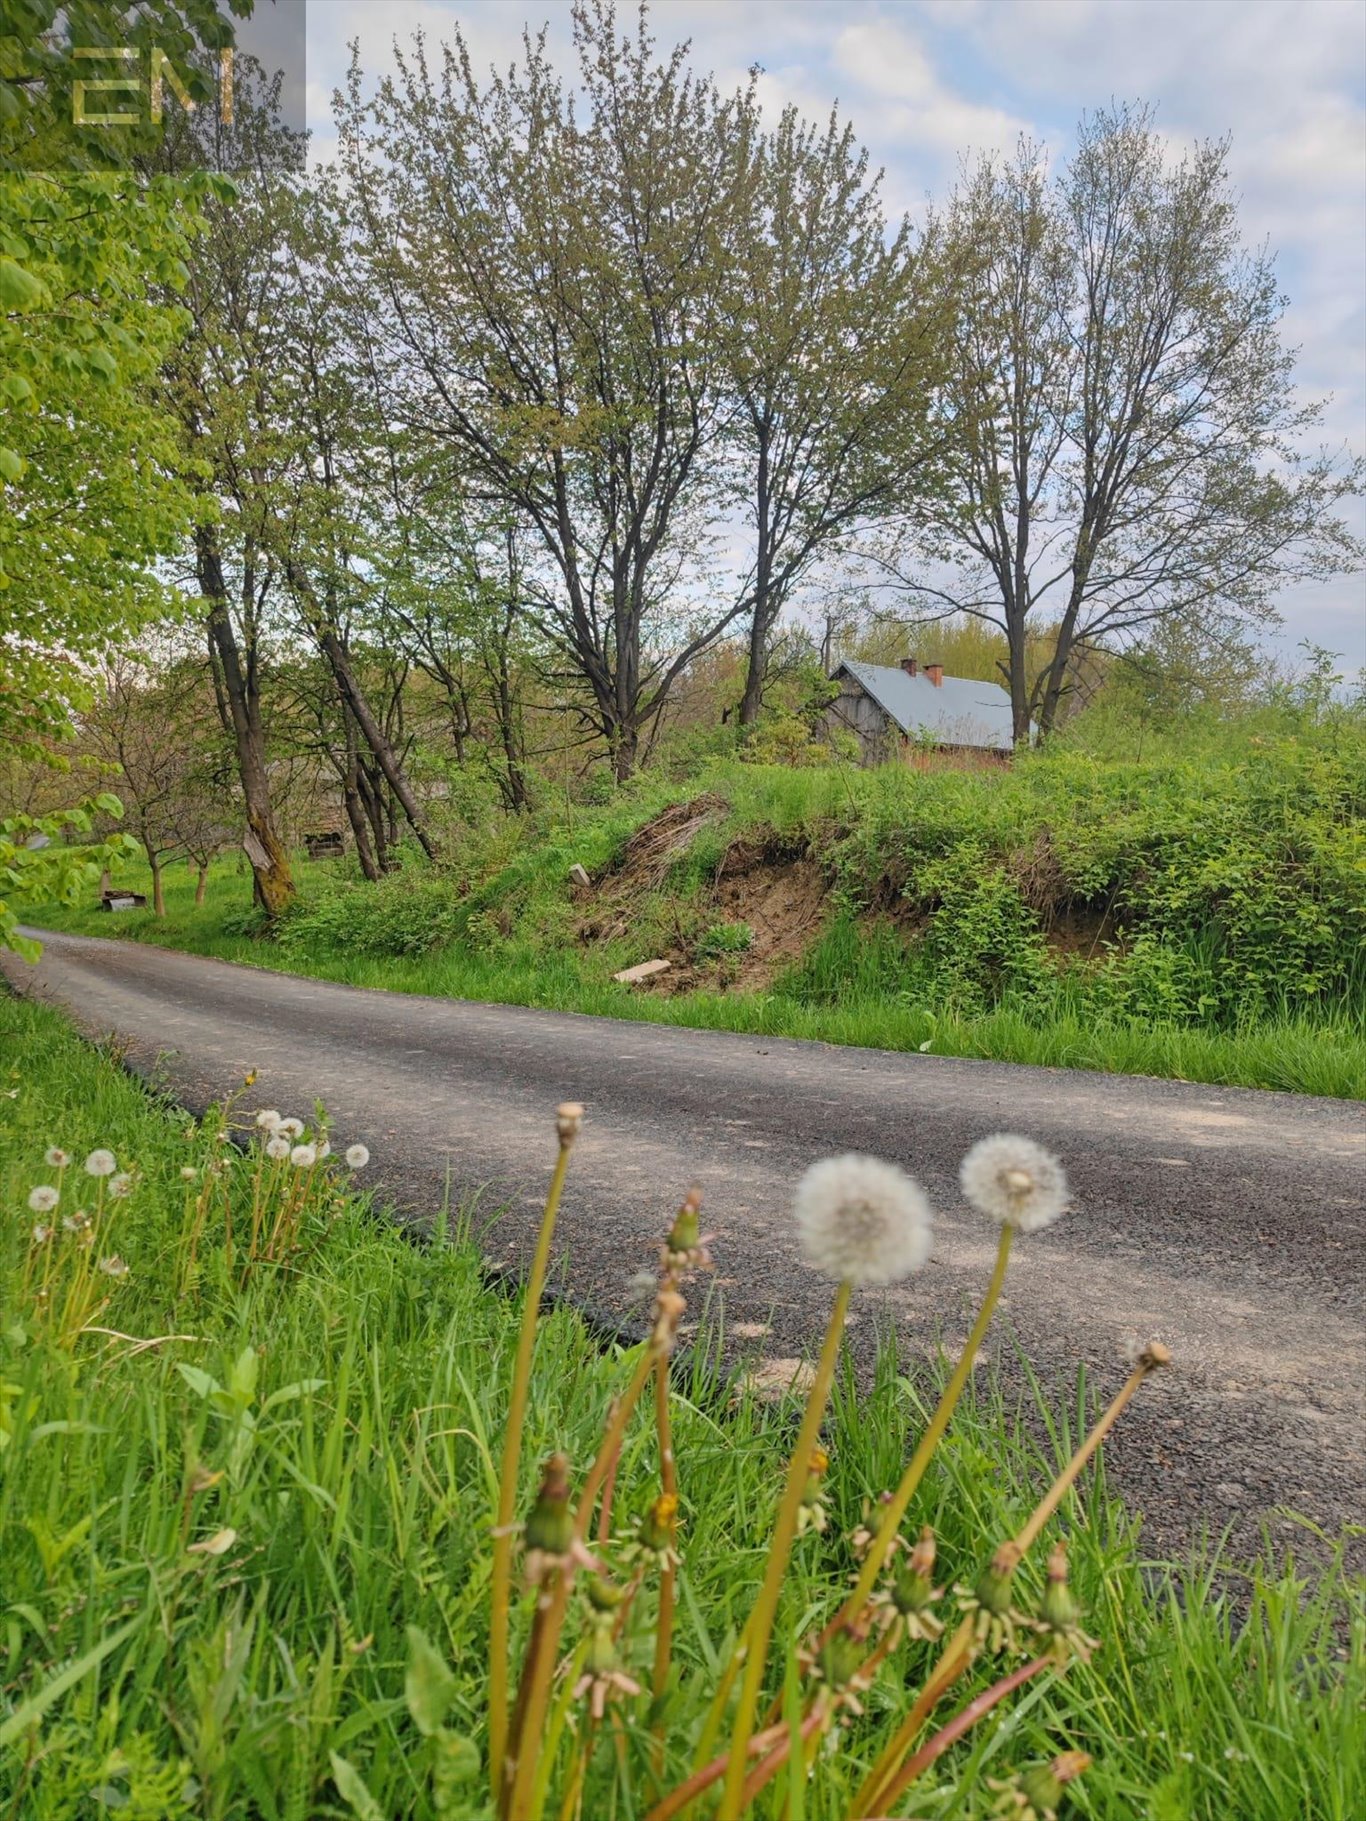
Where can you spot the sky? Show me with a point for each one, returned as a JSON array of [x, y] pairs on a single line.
[[926, 81]]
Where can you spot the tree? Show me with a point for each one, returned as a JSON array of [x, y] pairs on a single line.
[[218, 389], [146, 728], [833, 359], [546, 281], [1130, 444]]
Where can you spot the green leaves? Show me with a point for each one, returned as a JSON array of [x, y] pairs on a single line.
[[19, 289], [429, 1686]]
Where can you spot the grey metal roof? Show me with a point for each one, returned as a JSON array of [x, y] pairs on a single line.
[[960, 712]]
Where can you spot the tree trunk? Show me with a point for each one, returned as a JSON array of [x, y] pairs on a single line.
[[375, 737], [624, 751], [200, 884], [272, 880], [355, 815], [158, 888], [752, 701], [761, 625]]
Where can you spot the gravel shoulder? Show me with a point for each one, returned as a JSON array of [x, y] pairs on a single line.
[[1228, 1222]]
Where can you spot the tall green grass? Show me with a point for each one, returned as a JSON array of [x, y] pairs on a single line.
[[357, 1469], [845, 992]]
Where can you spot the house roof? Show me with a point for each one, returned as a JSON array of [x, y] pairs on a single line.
[[960, 712]]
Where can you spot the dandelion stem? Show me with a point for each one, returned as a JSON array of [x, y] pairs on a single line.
[[953, 1660], [895, 1510], [1049, 1503], [768, 1768], [520, 1772], [957, 1653], [760, 1628], [963, 1722], [501, 1570], [664, 1619], [707, 1774]]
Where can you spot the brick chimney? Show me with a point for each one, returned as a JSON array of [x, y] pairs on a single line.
[[935, 672], [910, 666]]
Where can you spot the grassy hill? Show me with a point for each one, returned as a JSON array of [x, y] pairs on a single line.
[[1194, 914]]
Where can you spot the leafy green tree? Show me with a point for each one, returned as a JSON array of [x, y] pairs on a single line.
[[1131, 444], [834, 357], [546, 286]]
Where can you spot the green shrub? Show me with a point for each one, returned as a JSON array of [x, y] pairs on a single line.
[[725, 939], [405, 913]]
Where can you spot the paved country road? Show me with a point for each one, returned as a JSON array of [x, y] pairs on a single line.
[[1227, 1222]]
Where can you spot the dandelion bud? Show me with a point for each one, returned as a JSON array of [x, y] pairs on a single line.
[[1035, 1794], [550, 1525], [101, 1163], [42, 1199], [604, 1595], [1014, 1182], [841, 1656], [568, 1119], [1060, 1615], [862, 1221], [55, 1158], [989, 1603], [188, 1172], [811, 1513], [685, 1233]]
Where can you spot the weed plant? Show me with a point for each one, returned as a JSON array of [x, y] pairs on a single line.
[[246, 1517]]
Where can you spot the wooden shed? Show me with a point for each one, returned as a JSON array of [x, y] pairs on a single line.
[[892, 709]]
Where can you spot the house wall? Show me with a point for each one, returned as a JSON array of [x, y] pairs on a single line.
[[854, 711]]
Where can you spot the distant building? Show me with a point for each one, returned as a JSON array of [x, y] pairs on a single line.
[[898, 709]]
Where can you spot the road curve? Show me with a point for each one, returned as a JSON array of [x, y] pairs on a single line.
[[1228, 1222]]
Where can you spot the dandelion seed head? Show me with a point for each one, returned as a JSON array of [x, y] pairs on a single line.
[[1014, 1182], [188, 1172], [43, 1199], [268, 1119], [55, 1157], [121, 1185], [114, 1266], [101, 1163], [862, 1221], [1149, 1354], [41, 1234], [356, 1157], [304, 1156], [324, 1149], [290, 1128], [277, 1147]]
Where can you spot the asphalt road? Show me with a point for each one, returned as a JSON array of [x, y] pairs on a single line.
[[1227, 1222]]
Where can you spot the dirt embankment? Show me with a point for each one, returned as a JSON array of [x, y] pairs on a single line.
[[759, 909]]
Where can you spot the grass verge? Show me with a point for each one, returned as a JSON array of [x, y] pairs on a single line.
[[209, 1594], [827, 1001]]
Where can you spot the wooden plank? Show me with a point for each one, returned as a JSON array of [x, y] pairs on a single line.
[[643, 970]]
